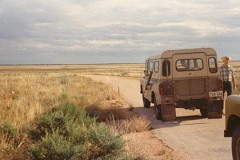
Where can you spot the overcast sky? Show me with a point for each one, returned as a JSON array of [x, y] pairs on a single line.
[[114, 31]]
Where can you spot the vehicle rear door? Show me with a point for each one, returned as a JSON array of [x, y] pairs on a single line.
[[190, 75]]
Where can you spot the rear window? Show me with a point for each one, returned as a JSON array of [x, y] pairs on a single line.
[[189, 64]]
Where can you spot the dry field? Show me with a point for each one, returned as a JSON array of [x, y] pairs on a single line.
[[31, 90], [130, 70]]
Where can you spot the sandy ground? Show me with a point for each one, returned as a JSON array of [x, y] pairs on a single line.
[[147, 145], [189, 137]]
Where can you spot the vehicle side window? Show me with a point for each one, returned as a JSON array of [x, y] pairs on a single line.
[[212, 65], [146, 68], [151, 66], [156, 66], [166, 70]]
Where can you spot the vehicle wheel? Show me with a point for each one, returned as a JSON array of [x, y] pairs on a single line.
[[146, 102], [236, 143], [157, 110], [204, 112]]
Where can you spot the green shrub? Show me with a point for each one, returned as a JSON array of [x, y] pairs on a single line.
[[61, 118], [8, 130], [102, 143], [53, 146], [68, 132]]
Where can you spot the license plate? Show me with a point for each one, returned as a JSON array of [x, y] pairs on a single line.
[[216, 94]]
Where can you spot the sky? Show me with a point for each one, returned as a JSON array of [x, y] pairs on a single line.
[[114, 31]]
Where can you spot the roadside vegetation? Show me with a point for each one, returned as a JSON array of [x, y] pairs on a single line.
[[63, 116], [53, 111]]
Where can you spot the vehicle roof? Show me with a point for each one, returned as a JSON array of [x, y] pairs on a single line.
[[170, 53]]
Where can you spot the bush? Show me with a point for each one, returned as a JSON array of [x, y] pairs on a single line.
[[69, 133], [103, 143], [53, 146], [8, 130], [10, 135], [62, 118]]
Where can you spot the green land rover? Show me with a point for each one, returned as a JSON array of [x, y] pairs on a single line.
[[232, 123]]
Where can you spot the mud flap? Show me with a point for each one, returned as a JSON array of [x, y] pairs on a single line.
[[215, 109], [168, 112]]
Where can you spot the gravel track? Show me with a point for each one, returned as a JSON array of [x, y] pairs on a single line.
[[191, 135]]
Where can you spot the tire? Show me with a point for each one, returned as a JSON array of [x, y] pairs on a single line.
[[236, 143], [157, 110], [146, 102], [204, 112]]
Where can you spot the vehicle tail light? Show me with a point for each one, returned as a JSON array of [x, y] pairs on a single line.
[[161, 89], [220, 84]]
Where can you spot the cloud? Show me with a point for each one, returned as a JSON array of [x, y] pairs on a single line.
[[114, 31]]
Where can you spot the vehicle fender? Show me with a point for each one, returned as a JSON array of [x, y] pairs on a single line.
[[232, 122], [157, 96]]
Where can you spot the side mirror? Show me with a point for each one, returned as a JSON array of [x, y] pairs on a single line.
[[145, 73]]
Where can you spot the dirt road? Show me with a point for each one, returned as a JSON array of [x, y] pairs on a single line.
[[193, 136]]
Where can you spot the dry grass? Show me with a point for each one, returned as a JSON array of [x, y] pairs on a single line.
[[131, 124], [127, 70], [25, 95], [27, 92]]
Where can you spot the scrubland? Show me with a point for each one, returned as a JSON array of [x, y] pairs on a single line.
[[52, 111], [129, 70]]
